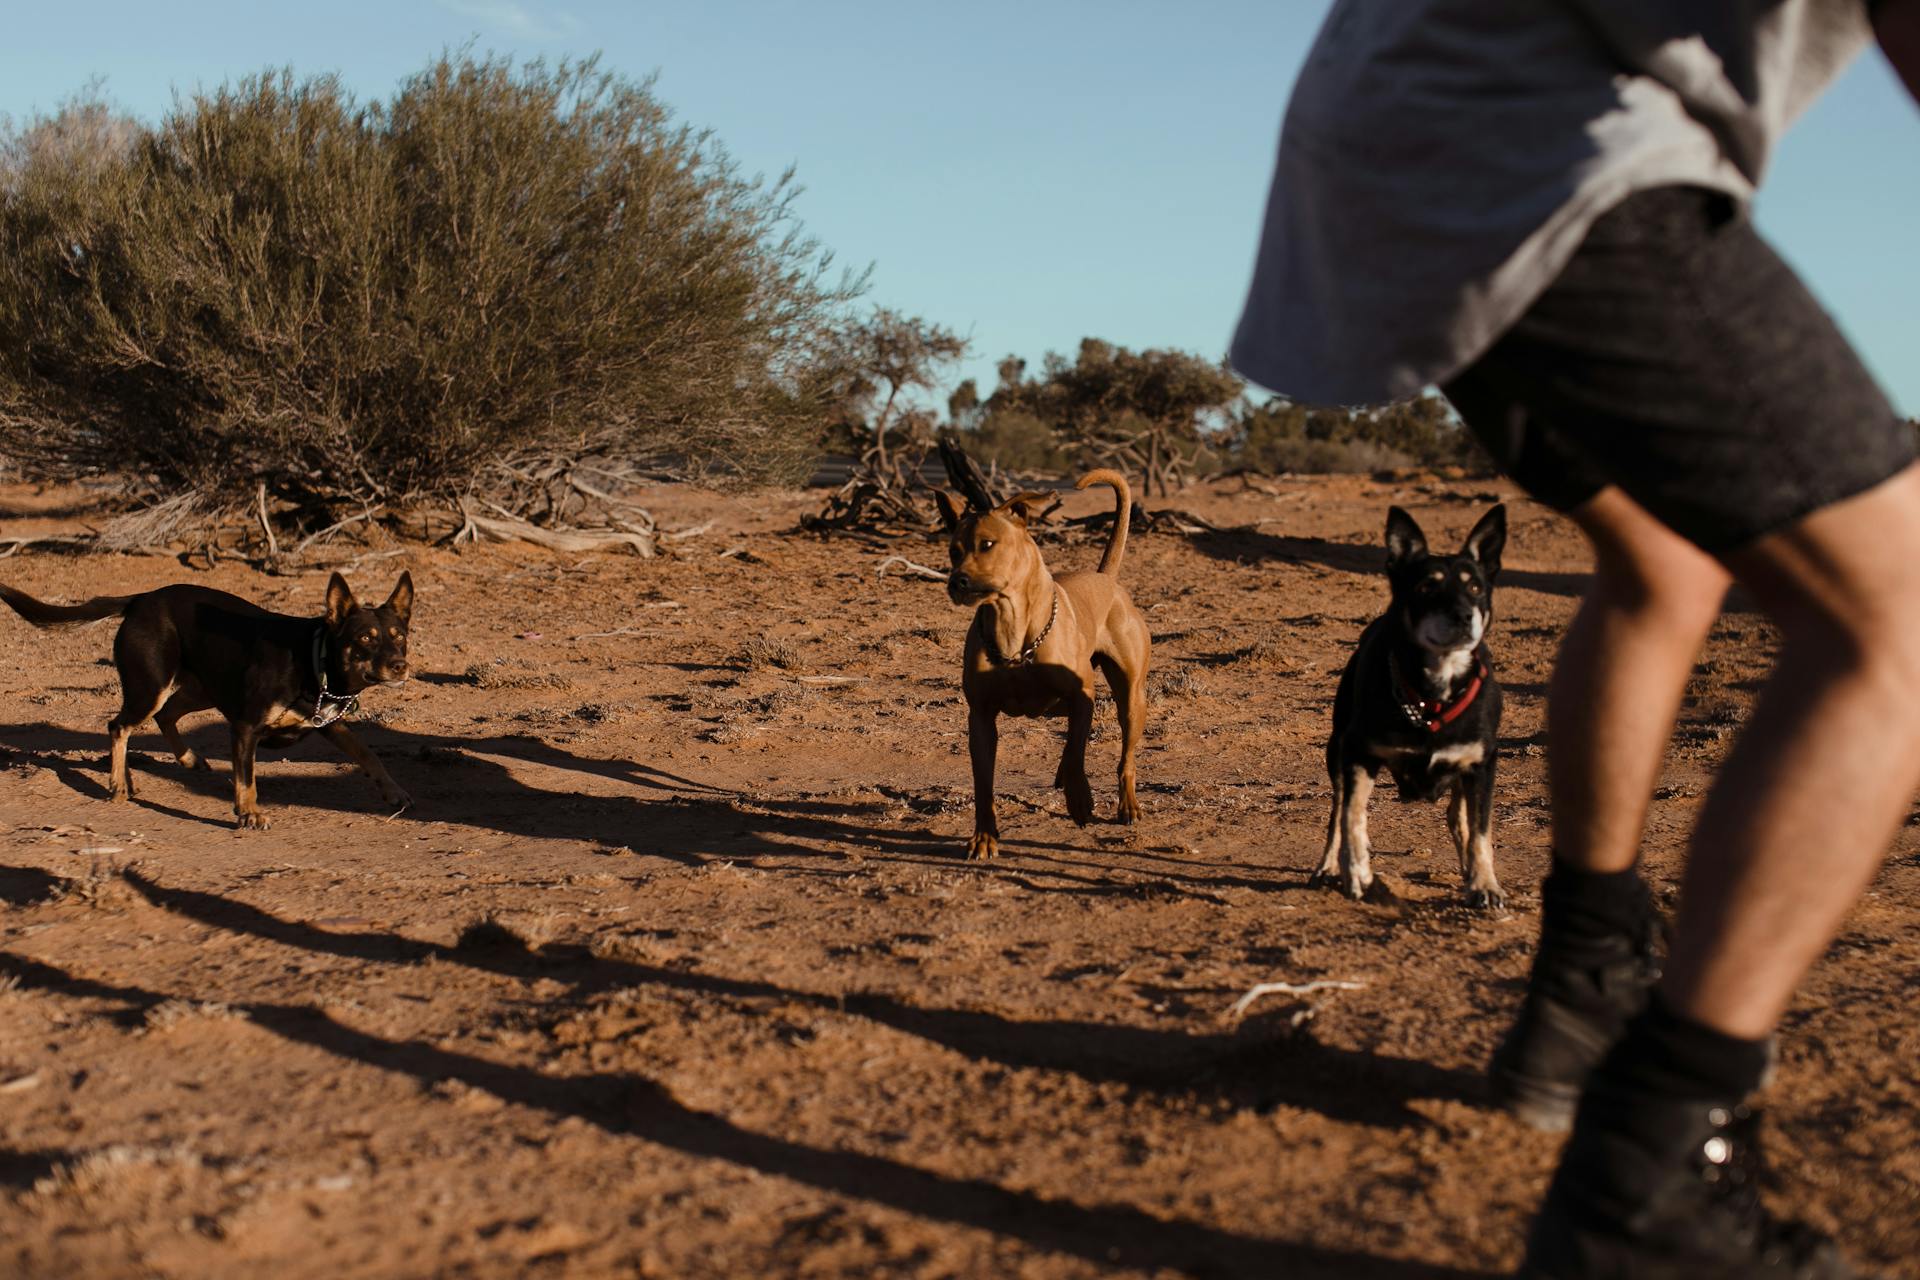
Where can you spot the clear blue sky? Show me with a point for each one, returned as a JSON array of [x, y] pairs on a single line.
[[1027, 174]]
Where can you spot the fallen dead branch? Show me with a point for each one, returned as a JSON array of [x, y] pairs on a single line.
[[1262, 989], [917, 570], [501, 529]]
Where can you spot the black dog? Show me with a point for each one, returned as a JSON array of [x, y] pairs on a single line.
[[275, 678], [1419, 698]]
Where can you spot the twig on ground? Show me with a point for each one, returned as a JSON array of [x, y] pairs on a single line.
[[338, 525], [1245, 1002], [918, 570], [620, 631], [266, 524]]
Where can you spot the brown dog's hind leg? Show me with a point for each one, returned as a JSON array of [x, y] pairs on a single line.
[[246, 805], [1130, 701], [983, 745], [1073, 761]]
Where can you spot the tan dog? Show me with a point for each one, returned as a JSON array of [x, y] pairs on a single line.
[[1035, 641]]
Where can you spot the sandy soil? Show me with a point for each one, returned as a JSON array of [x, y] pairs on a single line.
[[676, 969]]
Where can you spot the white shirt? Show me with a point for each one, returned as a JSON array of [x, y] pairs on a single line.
[[1442, 159]]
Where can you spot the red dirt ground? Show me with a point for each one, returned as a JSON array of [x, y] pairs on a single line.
[[675, 967]]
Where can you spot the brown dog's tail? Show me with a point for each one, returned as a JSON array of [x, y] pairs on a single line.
[[1122, 513], [42, 614]]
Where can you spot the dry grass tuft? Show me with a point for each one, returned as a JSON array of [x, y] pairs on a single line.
[[171, 1013], [1179, 682], [493, 675], [1263, 653], [109, 1167], [765, 651], [103, 887]]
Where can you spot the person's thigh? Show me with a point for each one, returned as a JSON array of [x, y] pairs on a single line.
[[1678, 357]]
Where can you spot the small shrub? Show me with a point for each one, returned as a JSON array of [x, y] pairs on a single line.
[[495, 272]]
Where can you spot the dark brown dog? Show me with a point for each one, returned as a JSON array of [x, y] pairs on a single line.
[[1035, 642], [274, 677]]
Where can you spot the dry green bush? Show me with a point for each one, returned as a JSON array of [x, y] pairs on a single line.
[[504, 282], [1281, 436]]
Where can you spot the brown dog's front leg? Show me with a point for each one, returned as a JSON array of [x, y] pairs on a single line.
[[245, 800], [983, 744], [1073, 761], [369, 763]]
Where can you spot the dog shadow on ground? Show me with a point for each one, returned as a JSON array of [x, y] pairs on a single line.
[[483, 783], [1292, 1070], [1251, 546]]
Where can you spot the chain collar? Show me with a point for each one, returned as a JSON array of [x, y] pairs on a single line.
[[1025, 657], [327, 707]]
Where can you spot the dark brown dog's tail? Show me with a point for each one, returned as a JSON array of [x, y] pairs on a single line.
[[1122, 513], [42, 614]]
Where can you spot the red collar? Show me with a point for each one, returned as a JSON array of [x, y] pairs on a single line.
[[1431, 714]]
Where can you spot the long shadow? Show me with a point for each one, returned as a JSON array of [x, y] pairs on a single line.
[[635, 1106], [1252, 546], [19, 1170], [1291, 1070], [640, 1108], [24, 886], [672, 817]]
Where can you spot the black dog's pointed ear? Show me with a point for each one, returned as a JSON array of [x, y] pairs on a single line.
[[950, 513], [1488, 539], [1404, 539], [339, 599], [401, 601]]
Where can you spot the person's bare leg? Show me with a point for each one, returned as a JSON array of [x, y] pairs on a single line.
[[1616, 688], [1808, 801], [1622, 671]]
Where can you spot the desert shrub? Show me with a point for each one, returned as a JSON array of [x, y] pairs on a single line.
[[1016, 441], [1280, 436], [1151, 413], [353, 303]]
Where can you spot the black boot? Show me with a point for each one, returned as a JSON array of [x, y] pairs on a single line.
[[1650, 1188], [1590, 976]]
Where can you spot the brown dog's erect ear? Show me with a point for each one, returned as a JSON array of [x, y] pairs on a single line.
[[339, 599], [401, 601], [1021, 506], [950, 513], [1404, 539], [1488, 539]]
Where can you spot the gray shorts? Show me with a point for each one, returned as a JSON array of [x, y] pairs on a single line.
[[1678, 357]]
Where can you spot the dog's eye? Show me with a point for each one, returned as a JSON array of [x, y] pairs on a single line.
[[1473, 588], [367, 639], [986, 544]]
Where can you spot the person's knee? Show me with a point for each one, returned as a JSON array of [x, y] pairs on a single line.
[[1681, 595], [1645, 571], [1876, 637]]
